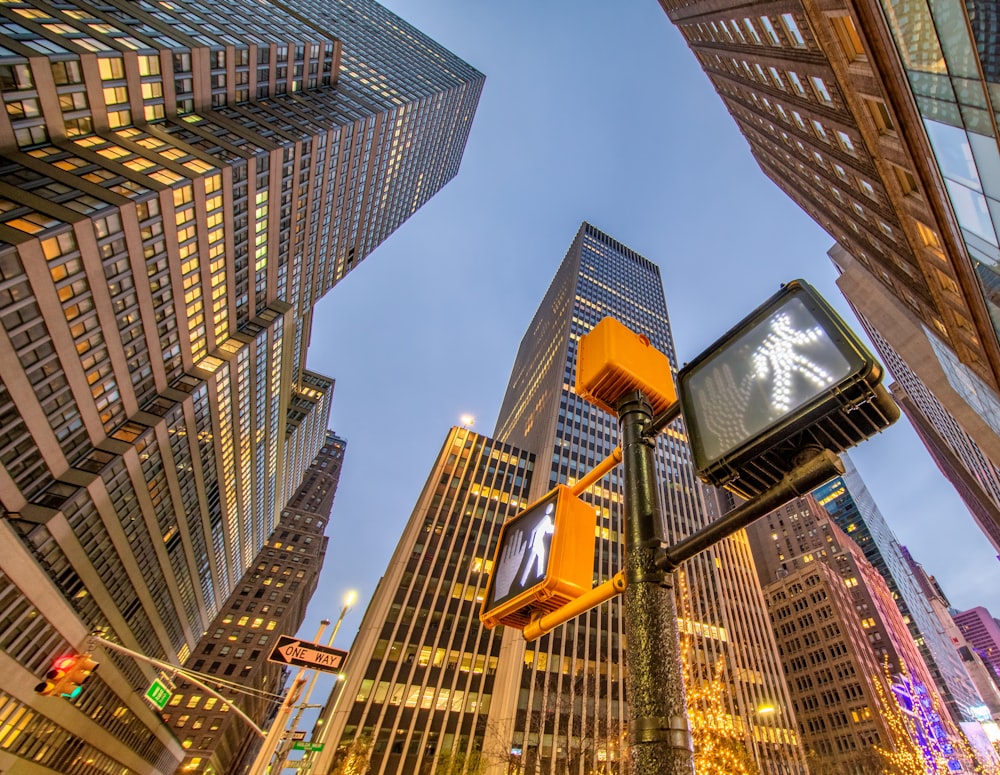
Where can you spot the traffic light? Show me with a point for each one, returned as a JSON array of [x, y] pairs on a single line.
[[789, 377], [543, 560], [67, 675]]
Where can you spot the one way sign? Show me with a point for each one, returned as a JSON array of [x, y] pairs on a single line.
[[293, 651]]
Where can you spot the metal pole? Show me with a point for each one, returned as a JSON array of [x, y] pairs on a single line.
[[803, 479], [262, 763], [186, 674], [324, 757], [293, 727], [599, 594], [659, 736]]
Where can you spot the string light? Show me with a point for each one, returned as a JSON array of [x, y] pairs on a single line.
[[719, 743]]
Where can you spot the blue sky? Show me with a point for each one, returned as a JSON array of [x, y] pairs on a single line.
[[591, 111]]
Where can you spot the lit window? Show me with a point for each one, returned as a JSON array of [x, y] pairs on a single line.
[[845, 141], [847, 36], [879, 113], [769, 29]]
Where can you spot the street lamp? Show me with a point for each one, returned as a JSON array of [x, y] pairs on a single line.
[[349, 600]]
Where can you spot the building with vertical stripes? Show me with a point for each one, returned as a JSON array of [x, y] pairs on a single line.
[[879, 119], [422, 672], [558, 702], [179, 184], [569, 703], [269, 601]]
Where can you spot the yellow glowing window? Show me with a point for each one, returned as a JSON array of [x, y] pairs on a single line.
[[929, 237], [152, 90], [115, 95], [847, 36], [165, 176], [119, 118], [197, 165]]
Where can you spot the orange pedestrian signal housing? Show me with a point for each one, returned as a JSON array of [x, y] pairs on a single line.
[[612, 360], [543, 560]]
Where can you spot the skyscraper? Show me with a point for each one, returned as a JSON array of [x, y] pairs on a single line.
[[855, 512], [568, 700], [844, 642], [181, 183], [879, 119], [943, 418], [983, 632], [559, 701], [269, 601], [422, 671]]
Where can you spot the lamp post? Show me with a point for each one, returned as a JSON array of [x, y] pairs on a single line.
[[349, 600], [262, 763]]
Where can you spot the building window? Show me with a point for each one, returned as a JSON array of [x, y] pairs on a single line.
[[880, 115], [847, 36], [792, 28]]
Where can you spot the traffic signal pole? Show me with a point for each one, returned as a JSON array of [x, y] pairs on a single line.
[[659, 735], [813, 471], [185, 674]]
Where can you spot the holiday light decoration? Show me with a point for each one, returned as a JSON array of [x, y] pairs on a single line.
[[719, 742], [923, 742]]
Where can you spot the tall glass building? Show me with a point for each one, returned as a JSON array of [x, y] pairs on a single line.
[[568, 704], [180, 183], [879, 118], [559, 703]]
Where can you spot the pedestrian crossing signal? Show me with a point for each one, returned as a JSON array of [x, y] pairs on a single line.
[[544, 559], [791, 376]]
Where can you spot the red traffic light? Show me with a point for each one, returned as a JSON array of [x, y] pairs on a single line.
[[66, 675]]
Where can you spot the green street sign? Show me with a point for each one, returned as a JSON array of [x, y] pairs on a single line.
[[302, 745], [158, 694]]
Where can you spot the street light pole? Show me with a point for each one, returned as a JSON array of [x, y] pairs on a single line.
[[660, 739], [263, 760], [293, 727]]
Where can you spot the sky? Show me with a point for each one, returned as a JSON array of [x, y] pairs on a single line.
[[591, 111]]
